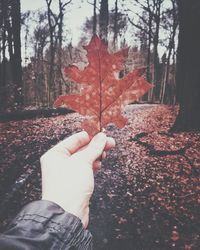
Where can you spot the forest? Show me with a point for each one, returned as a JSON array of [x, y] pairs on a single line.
[[147, 193]]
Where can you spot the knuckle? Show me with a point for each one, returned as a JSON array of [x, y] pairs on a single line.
[[80, 141]]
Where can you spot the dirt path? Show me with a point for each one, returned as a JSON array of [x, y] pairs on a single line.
[[141, 200]]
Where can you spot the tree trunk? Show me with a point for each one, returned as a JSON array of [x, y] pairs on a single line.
[[149, 50], [115, 30], [148, 71], [188, 73], [94, 17], [16, 62], [4, 61], [103, 20], [174, 77], [51, 93], [165, 81], [155, 51], [60, 40], [9, 38]]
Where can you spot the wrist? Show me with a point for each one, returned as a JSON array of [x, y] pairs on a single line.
[[80, 211]]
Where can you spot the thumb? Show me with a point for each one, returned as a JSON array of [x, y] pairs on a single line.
[[95, 148]]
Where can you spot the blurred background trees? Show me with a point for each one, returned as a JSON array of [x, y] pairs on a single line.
[[10, 54], [32, 75]]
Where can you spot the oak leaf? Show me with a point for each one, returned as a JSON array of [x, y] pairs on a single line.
[[103, 94]]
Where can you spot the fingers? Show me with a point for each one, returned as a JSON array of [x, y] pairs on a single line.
[[110, 143], [91, 150], [73, 143], [103, 155], [96, 166], [95, 148]]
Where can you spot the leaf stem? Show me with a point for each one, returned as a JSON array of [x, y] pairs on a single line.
[[100, 93]]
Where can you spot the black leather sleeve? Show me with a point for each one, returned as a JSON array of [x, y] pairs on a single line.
[[45, 225]]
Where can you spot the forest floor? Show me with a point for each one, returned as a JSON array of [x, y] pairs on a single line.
[[147, 194]]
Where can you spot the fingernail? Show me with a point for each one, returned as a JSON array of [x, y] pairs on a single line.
[[84, 133], [112, 141], [104, 155], [99, 165]]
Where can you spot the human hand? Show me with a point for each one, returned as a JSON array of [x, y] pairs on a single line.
[[67, 172]]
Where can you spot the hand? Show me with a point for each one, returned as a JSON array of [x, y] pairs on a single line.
[[67, 172]]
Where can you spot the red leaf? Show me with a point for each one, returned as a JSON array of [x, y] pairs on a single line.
[[103, 95]]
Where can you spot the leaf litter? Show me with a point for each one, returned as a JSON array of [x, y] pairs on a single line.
[[141, 201]]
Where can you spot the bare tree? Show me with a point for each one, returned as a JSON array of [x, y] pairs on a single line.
[[3, 19], [61, 14], [16, 63], [55, 23], [171, 23], [52, 22], [41, 34], [11, 69], [25, 18], [149, 24]]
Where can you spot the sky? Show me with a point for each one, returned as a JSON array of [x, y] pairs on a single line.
[[76, 15]]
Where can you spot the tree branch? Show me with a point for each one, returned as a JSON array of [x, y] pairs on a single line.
[[137, 26], [65, 4]]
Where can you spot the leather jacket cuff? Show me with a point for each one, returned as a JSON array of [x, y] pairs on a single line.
[[48, 224]]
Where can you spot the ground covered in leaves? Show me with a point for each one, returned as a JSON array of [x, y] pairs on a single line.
[[147, 194]]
